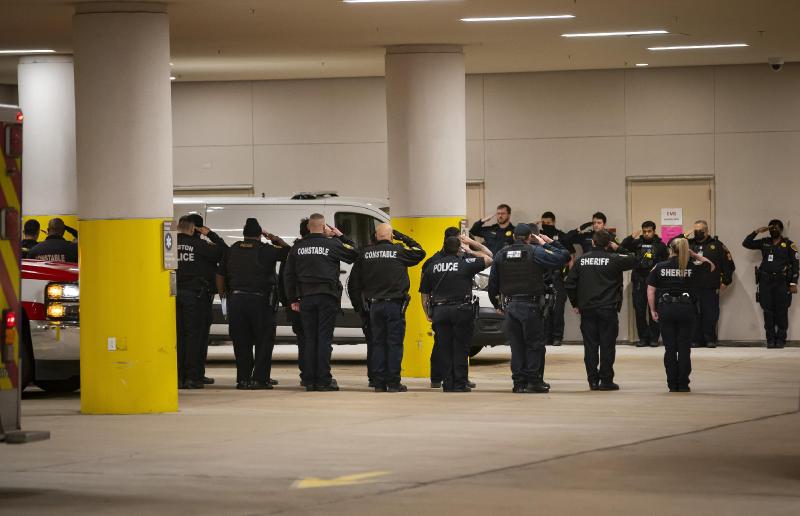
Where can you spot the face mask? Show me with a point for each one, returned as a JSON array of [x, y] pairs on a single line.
[[774, 232], [699, 235], [548, 230]]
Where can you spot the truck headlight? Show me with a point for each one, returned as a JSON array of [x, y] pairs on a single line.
[[62, 303]]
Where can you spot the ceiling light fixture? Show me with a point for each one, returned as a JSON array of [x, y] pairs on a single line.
[[642, 65], [518, 18], [172, 77], [379, 1], [608, 34], [34, 51], [694, 47]]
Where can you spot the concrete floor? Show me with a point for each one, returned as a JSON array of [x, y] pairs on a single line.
[[730, 447]]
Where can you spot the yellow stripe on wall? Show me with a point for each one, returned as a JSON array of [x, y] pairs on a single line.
[[125, 296]]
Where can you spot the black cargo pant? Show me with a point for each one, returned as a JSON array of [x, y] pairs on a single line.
[[705, 327], [367, 329], [252, 327], [297, 328], [646, 327], [318, 312], [599, 327], [775, 300], [189, 319], [677, 324], [209, 319], [452, 326], [524, 327], [554, 325], [388, 324]]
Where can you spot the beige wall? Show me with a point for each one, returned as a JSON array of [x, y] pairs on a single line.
[[563, 141]]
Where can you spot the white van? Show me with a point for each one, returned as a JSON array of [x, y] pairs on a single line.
[[355, 217]]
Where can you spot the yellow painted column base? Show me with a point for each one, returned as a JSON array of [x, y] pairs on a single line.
[[69, 220], [128, 346], [429, 232]]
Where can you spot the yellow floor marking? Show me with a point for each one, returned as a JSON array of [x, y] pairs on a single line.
[[346, 480]]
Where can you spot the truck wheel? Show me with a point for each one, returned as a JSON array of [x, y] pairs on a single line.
[[25, 354], [62, 386], [474, 350]]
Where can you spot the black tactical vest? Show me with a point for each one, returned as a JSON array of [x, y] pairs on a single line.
[[519, 274], [245, 270]]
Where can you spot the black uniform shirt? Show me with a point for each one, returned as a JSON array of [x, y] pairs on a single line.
[[210, 268], [257, 275], [26, 245], [494, 236], [55, 249], [195, 258], [381, 270], [582, 239], [548, 256], [595, 279], [648, 253], [719, 255], [780, 258], [449, 277], [667, 278], [313, 265]]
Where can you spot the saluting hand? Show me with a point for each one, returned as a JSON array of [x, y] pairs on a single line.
[[204, 231], [636, 234], [762, 229]]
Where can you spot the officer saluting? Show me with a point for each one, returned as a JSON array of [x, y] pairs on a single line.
[[313, 288], [554, 323], [380, 275], [55, 248], [582, 238], [194, 257], [518, 277], [446, 290], [594, 287], [246, 279], [776, 278], [498, 235], [711, 283], [649, 250], [671, 289]]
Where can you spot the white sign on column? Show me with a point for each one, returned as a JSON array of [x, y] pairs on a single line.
[[671, 216]]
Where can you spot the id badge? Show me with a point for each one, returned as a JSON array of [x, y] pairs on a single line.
[[770, 258]]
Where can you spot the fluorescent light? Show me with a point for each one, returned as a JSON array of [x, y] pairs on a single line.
[[642, 65], [623, 33], [516, 18], [34, 51], [172, 77], [693, 47], [379, 1]]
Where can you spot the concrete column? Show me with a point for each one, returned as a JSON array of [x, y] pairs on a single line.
[[425, 110], [47, 99], [124, 137]]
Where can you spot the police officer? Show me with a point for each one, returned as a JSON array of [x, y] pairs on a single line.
[[594, 287], [468, 246], [313, 288], [30, 234], [381, 274], [195, 256], [246, 279], [554, 322], [776, 278], [446, 292], [649, 250], [293, 317], [498, 235], [517, 284], [581, 237], [210, 290], [711, 283], [55, 248], [671, 288]]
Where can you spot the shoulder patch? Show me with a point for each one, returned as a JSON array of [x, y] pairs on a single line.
[[712, 247], [783, 244], [347, 246], [509, 233], [549, 251]]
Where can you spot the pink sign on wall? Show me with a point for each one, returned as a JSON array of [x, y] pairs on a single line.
[[670, 232]]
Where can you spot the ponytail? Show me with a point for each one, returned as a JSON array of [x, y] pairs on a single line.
[[680, 248]]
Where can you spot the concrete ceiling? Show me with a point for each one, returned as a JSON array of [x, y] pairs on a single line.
[[282, 39]]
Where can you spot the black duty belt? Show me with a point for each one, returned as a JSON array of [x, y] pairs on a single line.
[[248, 293], [523, 299], [773, 274], [682, 299], [458, 301]]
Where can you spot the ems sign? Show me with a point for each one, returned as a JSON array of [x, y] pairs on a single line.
[[169, 244], [671, 216]]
